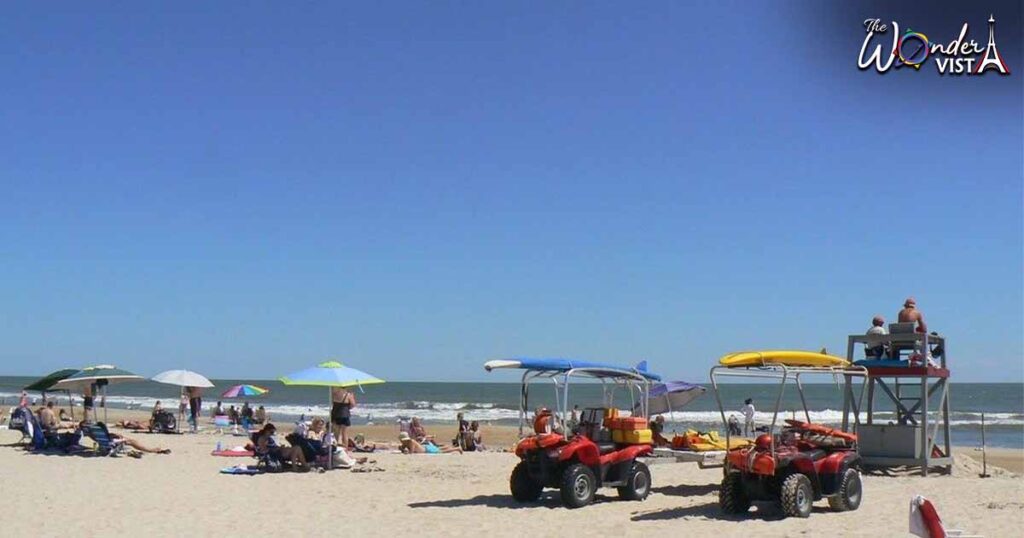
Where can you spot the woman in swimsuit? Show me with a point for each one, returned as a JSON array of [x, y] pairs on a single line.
[[341, 413]]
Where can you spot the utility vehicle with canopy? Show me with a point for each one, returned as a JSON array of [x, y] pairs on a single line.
[[600, 449], [801, 462]]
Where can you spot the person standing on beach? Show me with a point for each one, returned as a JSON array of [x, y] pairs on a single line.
[[748, 417], [910, 313], [195, 405], [342, 402], [87, 403]]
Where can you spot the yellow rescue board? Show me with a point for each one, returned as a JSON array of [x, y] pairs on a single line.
[[787, 357]]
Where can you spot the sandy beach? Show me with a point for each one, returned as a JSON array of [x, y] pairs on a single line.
[[460, 495]]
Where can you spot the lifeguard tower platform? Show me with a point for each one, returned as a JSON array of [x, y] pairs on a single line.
[[917, 432]]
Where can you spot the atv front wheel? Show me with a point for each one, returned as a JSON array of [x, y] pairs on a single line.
[[796, 496], [524, 488], [578, 486], [732, 497], [849, 494], [638, 483]]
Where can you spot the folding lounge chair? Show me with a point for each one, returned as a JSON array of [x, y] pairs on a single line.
[[925, 521], [105, 444]]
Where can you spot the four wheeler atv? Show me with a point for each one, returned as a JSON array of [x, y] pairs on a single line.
[[577, 459], [804, 462], [577, 467], [808, 465]]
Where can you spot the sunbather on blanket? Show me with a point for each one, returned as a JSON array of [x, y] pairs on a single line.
[[412, 446]]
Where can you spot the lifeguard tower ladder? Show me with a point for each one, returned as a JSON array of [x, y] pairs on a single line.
[[918, 434]]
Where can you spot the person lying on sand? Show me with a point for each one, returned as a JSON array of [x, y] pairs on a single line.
[[84, 428], [408, 445], [132, 425], [358, 444]]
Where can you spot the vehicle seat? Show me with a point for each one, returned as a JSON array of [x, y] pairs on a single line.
[[815, 454], [605, 448]]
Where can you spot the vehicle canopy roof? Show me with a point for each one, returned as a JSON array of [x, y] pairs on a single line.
[[556, 365]]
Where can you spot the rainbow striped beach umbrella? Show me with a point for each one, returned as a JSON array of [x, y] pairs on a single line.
[[240, 391]]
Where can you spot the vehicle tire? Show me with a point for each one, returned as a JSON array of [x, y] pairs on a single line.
[[850, 492], [796, 496], [524, 488], [638, 483], [578, 486], [732, 497]]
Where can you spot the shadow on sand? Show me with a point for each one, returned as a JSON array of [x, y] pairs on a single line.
[[549, 500], [686, 490], [762, 512]]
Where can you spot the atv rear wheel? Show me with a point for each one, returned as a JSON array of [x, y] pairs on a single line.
[[578, 486], [638, 483], [524, 488], [849, 494], [796, 496], [732, 497]]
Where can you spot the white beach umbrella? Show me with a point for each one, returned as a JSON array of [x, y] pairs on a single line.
[[182, 378]]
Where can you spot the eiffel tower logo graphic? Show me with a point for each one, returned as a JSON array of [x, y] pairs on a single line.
[[992, 59]]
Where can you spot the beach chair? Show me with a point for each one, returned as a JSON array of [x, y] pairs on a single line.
[[105, 444], [926, 523]]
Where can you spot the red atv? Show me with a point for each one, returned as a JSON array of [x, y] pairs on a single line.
[[803, 463], [578, 466], [804, 468], [577, 459]]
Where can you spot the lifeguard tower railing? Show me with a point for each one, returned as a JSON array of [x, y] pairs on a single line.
[[918, 433]]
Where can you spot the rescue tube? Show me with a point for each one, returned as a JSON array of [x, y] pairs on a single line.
[[823, 430]]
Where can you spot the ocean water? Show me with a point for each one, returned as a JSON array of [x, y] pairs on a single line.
[[1002, 403]]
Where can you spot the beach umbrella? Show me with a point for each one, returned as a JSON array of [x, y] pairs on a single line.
[[182, 378], [100, 375], [241, 391], [664, 397], [330, 374], [45, 384]]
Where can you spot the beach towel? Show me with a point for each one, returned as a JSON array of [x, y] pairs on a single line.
[[240, 469]]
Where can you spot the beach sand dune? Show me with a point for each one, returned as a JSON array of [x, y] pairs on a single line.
[[456, 495]]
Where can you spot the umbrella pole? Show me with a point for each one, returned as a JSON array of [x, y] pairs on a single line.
[[330, 426]]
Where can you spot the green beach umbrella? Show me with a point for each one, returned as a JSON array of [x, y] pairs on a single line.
[[330, 374]]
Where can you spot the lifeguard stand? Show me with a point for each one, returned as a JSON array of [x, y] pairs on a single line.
[[918, 434]]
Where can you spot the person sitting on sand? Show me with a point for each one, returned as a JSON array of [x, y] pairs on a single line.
[[47, 418], [266, 444], [85, 430], [317, 429], [418, 432], [474, 440], [408, 445], [657, 431], [260, 416]]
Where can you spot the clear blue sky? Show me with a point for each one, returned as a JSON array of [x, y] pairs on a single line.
[[247, 189]]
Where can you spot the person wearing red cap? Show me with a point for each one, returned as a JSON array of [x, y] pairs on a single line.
[[910, 313]]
